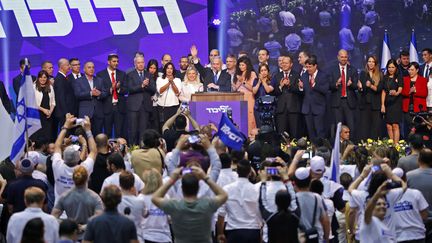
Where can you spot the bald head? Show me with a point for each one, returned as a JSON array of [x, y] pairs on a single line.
[[342, 57], [63, 65], [101, 141]]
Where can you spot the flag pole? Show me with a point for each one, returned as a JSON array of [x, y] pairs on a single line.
[[25, 115]]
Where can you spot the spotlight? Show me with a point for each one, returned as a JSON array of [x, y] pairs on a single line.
[[216, 22]]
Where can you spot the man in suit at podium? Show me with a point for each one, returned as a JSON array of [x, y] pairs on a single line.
[[114, 106], [90, 93], [314, 85], [215, 79], [289, 103], [141, 88]]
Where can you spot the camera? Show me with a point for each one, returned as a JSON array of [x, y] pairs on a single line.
[[184, 106], [266, 109], [79, 121], [393, 184], [272, 171], [74, 139], [307, 155], [194, 139], [271, 159], [186, 171]]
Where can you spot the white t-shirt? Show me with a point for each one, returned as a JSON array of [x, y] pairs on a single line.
[[138, 211], [63, 173], [359, 200], [167, 98], [330, 209], [409, 224], [114, 179], [155, 227], [376, 232]]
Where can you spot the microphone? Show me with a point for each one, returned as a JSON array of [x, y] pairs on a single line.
[[127, 211]]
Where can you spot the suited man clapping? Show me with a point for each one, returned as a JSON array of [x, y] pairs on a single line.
[[90, 93]]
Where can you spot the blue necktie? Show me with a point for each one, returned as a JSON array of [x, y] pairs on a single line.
[[215, 78]]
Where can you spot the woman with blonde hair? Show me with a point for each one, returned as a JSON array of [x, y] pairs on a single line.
[[370, 87], [190, 85], [79, 203], [156, 224]]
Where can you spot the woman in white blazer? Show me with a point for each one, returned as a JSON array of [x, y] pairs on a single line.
[[45, 99]]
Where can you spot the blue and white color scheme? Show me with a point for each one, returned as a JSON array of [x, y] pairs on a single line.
[[27, 118], [229, 134], [413, 48], [7, 127], [386, 54], [335, 159]]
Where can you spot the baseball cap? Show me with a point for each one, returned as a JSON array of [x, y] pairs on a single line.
[[317, 164], [71, 155], [398, 172], [34, 157], [26, 166], [302, 173]]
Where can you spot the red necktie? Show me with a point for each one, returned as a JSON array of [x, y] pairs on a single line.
[[343, 82], [113, 82], [311, 81]]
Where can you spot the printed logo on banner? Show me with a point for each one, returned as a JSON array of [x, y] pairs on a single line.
[[222, 108]]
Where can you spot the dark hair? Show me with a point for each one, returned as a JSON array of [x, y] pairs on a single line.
[[180, 122], [415, 64], [316, 186], [345, 180], [264, 49], [377, 179], [283, 200], [164, 75], [150, 138], [117, 160], [225, 160], [425, 157], [232, 56], [237, 155], [68, 227], [306, 53], [111, 197], [127, 180], [33, 231], [22, 62], [73, 59], [243, 168], [302, 183], [153, 62], [249, 68], [111, 56], [312, 60], [416, 141], [429, 50], [47, 87], [403, 53], [190, 185], [269, 77], [45, 62], [394, 62]]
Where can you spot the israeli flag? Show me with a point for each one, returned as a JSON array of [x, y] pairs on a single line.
[[7, 126], [335, 157], [413, 48], [386, 54], [229, 134], [27, 120]]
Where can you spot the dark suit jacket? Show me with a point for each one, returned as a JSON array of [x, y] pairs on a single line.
[[336, 92], [273, 68], [5, 98], [72, 77], [314, 100], [16, 82], [367, 96], [180, 75], [106, 80], [89, 105], [289, 98], [207, 75], [64, 96], [422, 68], [137, 95]]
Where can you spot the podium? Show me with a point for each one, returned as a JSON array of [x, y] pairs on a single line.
[[208, 108]]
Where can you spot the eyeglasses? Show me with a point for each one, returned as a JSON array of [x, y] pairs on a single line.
[[76, 64]]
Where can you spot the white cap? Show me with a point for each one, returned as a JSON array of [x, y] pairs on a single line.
[[302, 173], [317, 164], [34, 157], [398, 172]]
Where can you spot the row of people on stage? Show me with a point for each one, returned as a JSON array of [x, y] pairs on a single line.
[[127, 103]]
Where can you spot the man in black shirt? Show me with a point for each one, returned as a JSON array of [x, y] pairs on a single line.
[[100, 170], [179, 120]]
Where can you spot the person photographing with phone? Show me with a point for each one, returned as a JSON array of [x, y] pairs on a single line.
[[191, 216]]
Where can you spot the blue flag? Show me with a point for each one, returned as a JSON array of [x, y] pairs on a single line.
[[335, 158], [386, 54], [413, 48], [27, 119], [229, 134]]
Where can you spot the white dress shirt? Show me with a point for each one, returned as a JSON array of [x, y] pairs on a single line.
[[429, 97], [18, 221], [226, 176], [114, 179], [242, 208]]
